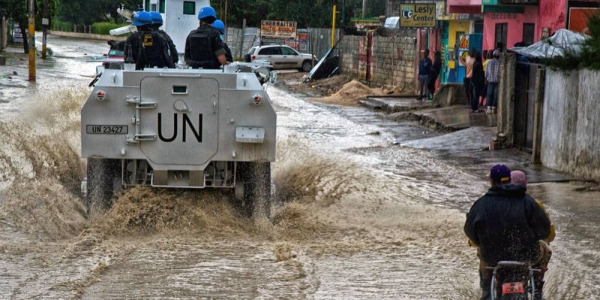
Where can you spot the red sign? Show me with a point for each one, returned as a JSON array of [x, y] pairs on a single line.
[[578, 18]]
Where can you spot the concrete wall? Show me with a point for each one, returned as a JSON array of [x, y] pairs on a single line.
[[571, 123], [506, 98], [393, 59], [87, 35]]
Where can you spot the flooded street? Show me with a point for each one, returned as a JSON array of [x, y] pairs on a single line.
[[365, 208]]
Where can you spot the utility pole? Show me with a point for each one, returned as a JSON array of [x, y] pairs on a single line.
[[333, 27], [364, 8], [45, 24], [225, 17], [241, 52], [31, 31]]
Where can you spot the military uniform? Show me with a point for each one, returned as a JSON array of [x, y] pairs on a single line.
[[202, 47], [228, 53], [171, 47], [148, 50]]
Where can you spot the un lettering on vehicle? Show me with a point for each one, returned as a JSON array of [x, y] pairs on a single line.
[[186, 123]]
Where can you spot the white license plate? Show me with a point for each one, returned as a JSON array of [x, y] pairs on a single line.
[[106, 129]]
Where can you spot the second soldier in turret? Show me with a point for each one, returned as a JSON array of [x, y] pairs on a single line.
[[157, 21], [220, 27]]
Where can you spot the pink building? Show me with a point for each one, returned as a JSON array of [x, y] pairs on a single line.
[[512, 21], [510, 25]]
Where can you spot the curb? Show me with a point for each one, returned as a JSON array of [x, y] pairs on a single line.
[[378, 105]]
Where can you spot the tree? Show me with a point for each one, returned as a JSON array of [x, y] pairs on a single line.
[[308, 13], [17, 11], [90, 11]]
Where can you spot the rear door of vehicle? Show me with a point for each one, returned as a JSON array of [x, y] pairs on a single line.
[[272, 54], [184, 121], [290, 59]]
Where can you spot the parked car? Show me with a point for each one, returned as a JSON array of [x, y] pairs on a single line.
[[281, 57], [115, 56]]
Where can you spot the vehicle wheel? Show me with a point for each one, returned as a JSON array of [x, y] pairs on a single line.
[[307, 66], [103, 178], [256, 180]]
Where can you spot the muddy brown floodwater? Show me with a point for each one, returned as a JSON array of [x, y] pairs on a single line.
[[354, 218]]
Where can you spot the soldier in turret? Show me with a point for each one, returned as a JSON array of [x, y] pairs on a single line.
[[145, 48], [203, 46]]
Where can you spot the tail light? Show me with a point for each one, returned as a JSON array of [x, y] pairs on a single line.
[[253, 57]]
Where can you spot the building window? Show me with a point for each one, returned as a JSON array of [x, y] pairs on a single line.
[[189, 8], [501, 35], [528, 30], [147, 5], [161, 6], [153, 7]]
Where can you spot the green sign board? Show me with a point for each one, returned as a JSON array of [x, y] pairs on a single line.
[[417, 15], [489, 2]]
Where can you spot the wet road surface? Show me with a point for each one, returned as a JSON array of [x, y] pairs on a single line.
[[366, 208]]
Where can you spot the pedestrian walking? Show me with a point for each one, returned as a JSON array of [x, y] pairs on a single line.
[[424, 70], [146, 48], [436, 68], [492, 77], [157, 22], [477, 82], [203, 46]]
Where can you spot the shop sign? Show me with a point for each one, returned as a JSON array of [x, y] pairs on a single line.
[[503, 16], [278, 29], [417, 15]]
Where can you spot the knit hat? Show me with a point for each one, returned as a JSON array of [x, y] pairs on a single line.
[[518, 178]]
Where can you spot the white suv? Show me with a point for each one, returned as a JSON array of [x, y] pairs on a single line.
[[281, 57]]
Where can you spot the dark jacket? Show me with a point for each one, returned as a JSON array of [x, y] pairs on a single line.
[[424, 66], [435, 71], [507, 224], [148, 50], [478, 78], [228, 54], [171, 47]]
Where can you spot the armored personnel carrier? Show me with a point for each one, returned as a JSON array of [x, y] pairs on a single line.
[[180, 128]]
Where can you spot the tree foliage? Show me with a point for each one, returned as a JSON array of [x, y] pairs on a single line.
[[308, 13], [90, 11]]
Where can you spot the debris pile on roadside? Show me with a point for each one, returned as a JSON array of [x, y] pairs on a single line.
[[351, 92]]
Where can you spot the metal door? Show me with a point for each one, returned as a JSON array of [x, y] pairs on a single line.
[[184, 122]]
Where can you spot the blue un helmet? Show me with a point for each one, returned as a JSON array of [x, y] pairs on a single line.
[[141, 18], [207, 14], [156, 18], [219, 26]]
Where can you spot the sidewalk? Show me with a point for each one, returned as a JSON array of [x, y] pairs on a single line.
[[467, 139], [454, 117]]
